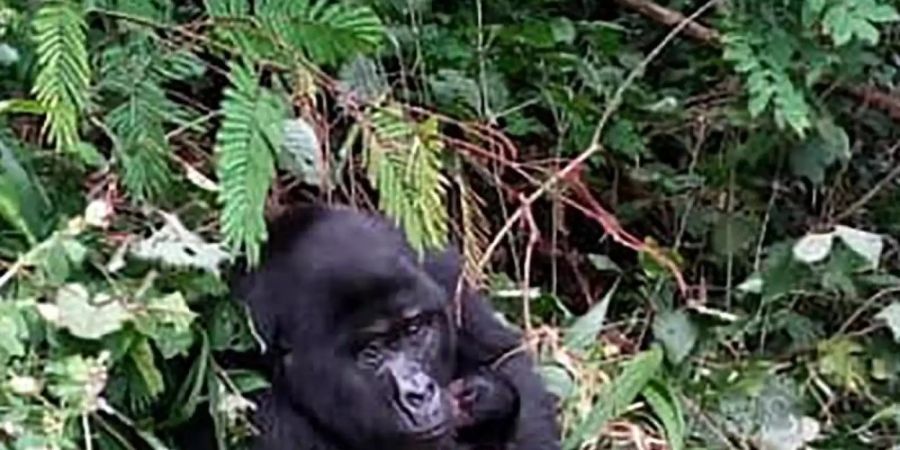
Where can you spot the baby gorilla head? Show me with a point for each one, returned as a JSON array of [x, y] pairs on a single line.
[[366, 337]]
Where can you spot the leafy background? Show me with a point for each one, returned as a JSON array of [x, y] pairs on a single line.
[[694, 221]]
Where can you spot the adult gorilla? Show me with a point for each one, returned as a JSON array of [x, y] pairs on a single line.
[[370, 356]]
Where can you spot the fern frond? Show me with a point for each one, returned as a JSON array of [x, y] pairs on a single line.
[[405, 163], [246, 145], [61, 84], [324, 32]]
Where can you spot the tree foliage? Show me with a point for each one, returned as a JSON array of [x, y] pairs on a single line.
[[144, 143]]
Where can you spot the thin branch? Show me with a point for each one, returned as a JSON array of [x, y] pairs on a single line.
[[595, 146], [868, 95], [881, 184]]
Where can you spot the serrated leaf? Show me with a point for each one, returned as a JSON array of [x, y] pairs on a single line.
[[61, 83], [868, 245], [324, 31], [891, 316], [86, 317], [246, 145], [677, 332], [813, 247], [584, 331]]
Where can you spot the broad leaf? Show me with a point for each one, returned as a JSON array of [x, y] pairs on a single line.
[[813, 247], [868, 245], [86, 317], [617, 395], [300, 152], [175, 245], [584, 331], [677, 333], [667, 407], [891, 316]]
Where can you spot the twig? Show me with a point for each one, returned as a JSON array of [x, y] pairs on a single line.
[[595, 146], [866, 305], [533, 237], [867, 95], [670, 17], [872, 192]]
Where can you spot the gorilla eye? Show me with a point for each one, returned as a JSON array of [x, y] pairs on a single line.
[[414, 325], [370, 356], [413, 328]]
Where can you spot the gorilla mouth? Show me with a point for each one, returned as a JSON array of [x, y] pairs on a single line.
[[436, 432]]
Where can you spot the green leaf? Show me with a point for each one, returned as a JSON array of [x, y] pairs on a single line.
[[175, 245], [247, 381], [813, 247], [563, 30], [61, 83], [168, 320], [584, 331], [617, 395], [624, 138], [405, 163], [845, 21], [667, 407], [13, 330], [141, 355], [840, 360], [324, 31], [301, 153], [77, 380], [363, 79], [558, 381], [604, 263], [891, 316], [812, 158], [865, 244], [86, 317], [732, 233], [677, 333], [246, 144]]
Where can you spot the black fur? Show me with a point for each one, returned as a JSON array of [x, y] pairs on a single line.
[[327, 270]]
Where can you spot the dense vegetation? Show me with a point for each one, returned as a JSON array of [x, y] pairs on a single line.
[[696, 222]]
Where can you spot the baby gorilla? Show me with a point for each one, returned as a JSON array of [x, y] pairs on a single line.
[[370, 354]]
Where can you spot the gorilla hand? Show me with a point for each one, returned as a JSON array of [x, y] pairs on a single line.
[[482, 397]]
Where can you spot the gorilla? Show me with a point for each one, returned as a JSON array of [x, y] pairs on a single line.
[[373, 350]]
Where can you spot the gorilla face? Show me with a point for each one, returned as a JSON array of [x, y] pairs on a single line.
[[366, 336], [397, 342], [399, 355]]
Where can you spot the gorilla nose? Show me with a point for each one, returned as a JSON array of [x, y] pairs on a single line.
[[418, 392]]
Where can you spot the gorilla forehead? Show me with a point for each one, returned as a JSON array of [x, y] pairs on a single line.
[[356, 260]]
